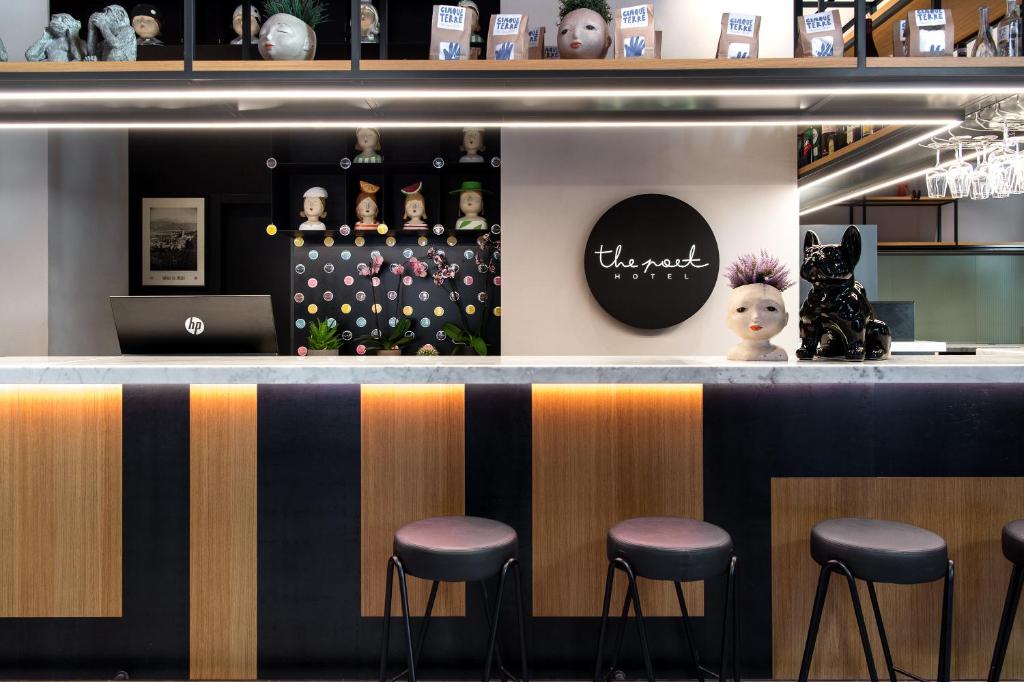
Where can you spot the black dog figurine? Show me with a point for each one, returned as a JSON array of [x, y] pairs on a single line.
[[837, 320]]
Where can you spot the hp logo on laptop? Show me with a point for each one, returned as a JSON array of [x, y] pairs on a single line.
[[194, 326]]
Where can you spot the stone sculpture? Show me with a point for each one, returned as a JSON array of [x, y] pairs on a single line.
[[111, 37], [3, 51], [60, 41]]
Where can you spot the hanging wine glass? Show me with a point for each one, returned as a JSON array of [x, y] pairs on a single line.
[[1000, 174], [959, 175], [936, 179], [980, 187], [1017, 177]]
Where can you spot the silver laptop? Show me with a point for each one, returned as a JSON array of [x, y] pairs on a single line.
[[194, 325]]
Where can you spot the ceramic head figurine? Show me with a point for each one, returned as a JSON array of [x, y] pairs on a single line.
[[472, 145], [369, 22], [60, 41], [471, 206], [254, 24], [757, 312], [111, 37], [583, 29], [368, 146], [287, 38], [147, 21], [415, 207], [366, 206], [314, 209], [476, 41]]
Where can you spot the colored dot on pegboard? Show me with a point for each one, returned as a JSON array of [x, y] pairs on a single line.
[[422, 241], [271, 229], [360, 241], [328, 241], [407, 310], [497, 311], [346, 309], [382, 229], [312, 282], [390, 241], [439, 311], [375, 308], [470, 309], [299, 241], [312, 309], [302, 351], [360, 350]]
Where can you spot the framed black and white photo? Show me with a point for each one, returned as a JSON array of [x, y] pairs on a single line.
[[174, 242]]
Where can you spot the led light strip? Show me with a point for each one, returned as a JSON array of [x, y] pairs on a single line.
[[882, 185], [878, 157], [528, 125]]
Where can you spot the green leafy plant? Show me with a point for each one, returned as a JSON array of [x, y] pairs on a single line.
[[461, 337], [393, 341], [313, 12], [599, 6], [323, 336]]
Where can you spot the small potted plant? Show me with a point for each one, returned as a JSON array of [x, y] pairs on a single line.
[[391, 344], [427, 351], [323, 338], [757, 311], [289, 32]]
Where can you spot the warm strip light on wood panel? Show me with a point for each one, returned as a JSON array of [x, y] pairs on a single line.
[[60, 501], [602, 454], [222, 549], [412, 466], [968, 512]]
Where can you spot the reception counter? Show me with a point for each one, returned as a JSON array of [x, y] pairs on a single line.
[[230, 518]]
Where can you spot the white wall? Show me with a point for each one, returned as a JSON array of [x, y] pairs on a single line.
[[88, 239], [21, 24], [555, 186], [690, 27]]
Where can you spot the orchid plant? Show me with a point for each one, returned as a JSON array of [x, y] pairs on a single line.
[[444, 276]]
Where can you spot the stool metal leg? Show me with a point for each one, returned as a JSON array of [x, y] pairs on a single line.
[[886, 652], [731, 595], [426, 622], [502, 670], [492, 640], [403, 588], [608, 583], [384, 640], [946, 631], [524, 674], [634, 594], [1006, 623], [686, 631], [812, 630], [859, 613]]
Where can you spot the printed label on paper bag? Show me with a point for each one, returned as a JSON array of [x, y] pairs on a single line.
[[739, 51], [450, 52], [504, 52], [816, 23], [930, 17], [741, 25], [534, 37], [932, 41], [634, 17], [451, 18], [551, 52], [902, 29], [634, 46], [823, 47], [507, 24]]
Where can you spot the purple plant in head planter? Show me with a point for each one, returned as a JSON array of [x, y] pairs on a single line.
[[757, 312]]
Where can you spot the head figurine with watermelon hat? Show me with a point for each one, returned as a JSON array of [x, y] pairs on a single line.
[[415, 207]]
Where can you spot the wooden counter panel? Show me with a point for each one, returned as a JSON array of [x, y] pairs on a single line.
[[60, 502], [412, 466], [602, 454], [222, 561], [968, 512]]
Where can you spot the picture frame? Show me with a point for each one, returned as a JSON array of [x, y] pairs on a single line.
[[174, 242]]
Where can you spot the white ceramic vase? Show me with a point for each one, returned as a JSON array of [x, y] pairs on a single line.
[[583, 34], [757, 313]]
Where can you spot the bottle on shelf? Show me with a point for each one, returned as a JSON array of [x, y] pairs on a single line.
[[1008, 32], [983, 44], [872, 49]]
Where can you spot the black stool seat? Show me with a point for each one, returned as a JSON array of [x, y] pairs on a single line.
[[455, 548], [1013, 542], [670, 548], [881, 551]]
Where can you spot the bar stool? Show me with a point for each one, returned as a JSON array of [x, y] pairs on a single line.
[[453, 549], [879, 552], [672, 549], [1013, 549]]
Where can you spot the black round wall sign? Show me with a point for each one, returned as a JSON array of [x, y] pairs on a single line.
[[652, 261]]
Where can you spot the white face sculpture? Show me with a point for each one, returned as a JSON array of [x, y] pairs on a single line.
[[236, 23], [285, 37], [583, 34], [473, 141], [366, 211], [367, 141], [756, 312], [313, 208], [414, 210], [471, 204], [146, 27]]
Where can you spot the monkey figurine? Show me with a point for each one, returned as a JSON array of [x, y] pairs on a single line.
[[60, 41], [3, 51], [111, 37]]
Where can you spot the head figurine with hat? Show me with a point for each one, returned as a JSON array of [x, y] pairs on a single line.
[[472, 145], [147, 21], [314, 208], [474, 10], [471, 206], [368, 145], [415, 206], [366, 205], [255, 21]]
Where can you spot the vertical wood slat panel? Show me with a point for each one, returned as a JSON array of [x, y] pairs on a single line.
[[602, 454], [222, 524], [60, 501], [412, 466], [968, 512]]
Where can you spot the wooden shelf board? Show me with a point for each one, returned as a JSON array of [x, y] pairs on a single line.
[[259, 65], [92, 67], [859, 144], [605, 64], [899, 201], [945, 62]]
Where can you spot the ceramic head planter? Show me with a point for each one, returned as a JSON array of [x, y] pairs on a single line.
[[287, 38], [369, 22], [239, 28], [314, 209], [583, 29], [415, 207], [837, 320], [366, 206], [471, 206], [476, 41], [757, 312], [60, 41], [147, 21], [368, 146], [472, 145], [111, 37]]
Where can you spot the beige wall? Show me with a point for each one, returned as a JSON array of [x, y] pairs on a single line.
[[555, 186]]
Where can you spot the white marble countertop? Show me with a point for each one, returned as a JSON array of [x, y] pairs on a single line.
[[990, 368]]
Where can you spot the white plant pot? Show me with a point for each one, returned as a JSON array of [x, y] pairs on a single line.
[[287, 38], [757, 313], [579, 42]]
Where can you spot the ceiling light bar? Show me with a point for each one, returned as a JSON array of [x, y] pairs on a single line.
[[878, 157]]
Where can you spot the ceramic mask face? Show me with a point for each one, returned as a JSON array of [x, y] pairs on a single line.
[[366, 20], [472, 141], [313, 207], [367, 140], [285, 37], [471, 204], [366, 211], [756, 312], [146, 27], [583, 34], [414, 209], [236, 23]]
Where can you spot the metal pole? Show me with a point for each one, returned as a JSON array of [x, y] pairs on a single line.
[[956, 222], [861, 33], [938, 225], [383, 37], [190, 34], [357, 46], [246, 18]]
